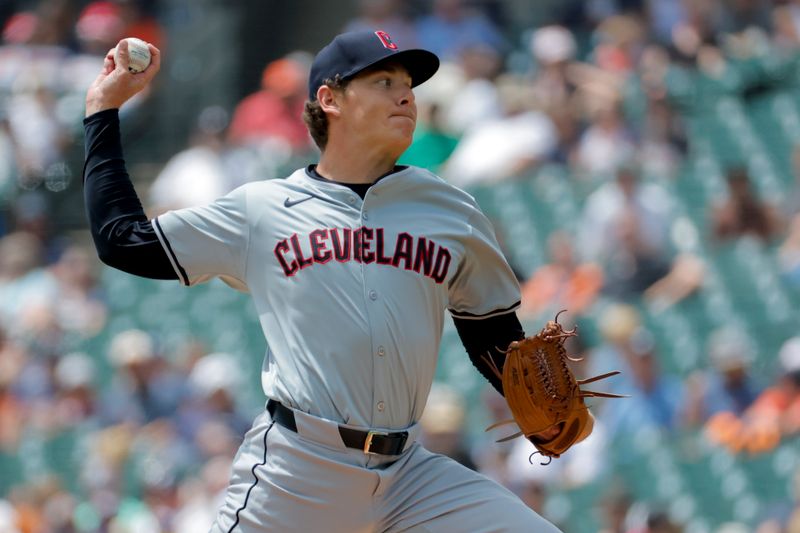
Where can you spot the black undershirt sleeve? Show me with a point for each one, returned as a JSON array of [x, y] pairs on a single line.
[[486, 338], [123, 236]]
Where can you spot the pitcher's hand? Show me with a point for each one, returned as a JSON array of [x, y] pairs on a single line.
[[116, 85]]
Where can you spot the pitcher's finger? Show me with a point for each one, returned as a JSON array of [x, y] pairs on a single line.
[[122, 55], [108, 65], [155, 57]]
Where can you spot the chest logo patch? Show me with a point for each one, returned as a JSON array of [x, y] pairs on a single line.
[[363, 245], [290, 203]]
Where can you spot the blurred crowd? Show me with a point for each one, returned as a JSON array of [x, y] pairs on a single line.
[[606, 90]]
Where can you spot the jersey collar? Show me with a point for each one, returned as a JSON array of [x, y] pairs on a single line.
[[311, 171]]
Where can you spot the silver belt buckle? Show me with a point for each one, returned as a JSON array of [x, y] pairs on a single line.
[[368, 442]]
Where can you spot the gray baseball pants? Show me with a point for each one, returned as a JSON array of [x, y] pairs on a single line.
[[309, 481]]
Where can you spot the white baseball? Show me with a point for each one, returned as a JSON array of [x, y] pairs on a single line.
[[138, 55]]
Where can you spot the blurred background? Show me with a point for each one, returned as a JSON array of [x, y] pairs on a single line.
[[640, 160]]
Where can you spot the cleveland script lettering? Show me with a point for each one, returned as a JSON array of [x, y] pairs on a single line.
[[364, 245]]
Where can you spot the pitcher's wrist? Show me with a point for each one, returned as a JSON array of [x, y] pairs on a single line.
[[97, 104]]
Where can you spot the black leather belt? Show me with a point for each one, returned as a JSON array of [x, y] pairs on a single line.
[[372, 442]]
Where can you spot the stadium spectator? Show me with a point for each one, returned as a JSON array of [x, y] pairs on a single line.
[[663, 16], [39, 138], [781, 401], [554, 88], [54, 23], [786, 37], [443, 424], [615, 506], [657, 401], [210, 408], [617, 323], [24, 284], [625, 229], [627, 194], [273, 114], [145, 387], [78, 306], [774, 414], [619, 41], [660, 131], [29, 505], [140, 23], [660, 400], [563, 283], [553, 49], [504, 148], [742, 213], [728, 385], [452, 26], [478, 100], [74, 404], [20, 27], [99, 27], [30, 215], [606, 144], [687, 273], [200, 495], [200, 173], [661, 148], [635, 263], [388, 16]]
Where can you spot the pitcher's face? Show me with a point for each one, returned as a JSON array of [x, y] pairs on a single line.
[[378, 106]]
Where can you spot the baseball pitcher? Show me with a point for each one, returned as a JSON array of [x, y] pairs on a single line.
[[351, 264]]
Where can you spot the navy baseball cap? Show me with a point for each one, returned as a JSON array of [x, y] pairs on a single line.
[[350, 53]]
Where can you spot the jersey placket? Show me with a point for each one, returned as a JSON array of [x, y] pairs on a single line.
[[377, 321]]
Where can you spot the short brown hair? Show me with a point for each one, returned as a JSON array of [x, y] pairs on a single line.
[[315, 118]]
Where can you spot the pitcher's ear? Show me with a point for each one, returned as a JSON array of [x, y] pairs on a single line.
[[328, 100]]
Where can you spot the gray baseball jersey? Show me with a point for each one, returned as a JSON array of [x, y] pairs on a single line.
[[350, 294]]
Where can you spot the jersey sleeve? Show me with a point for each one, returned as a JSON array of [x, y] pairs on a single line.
[[208, 241], [484, 284]]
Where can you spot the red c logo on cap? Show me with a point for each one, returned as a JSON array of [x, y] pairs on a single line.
[[386, 41]]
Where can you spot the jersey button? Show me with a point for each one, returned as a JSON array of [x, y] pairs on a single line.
[[381, 406], [381, 351], [351, 200], [365, 216], [373, 295]]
